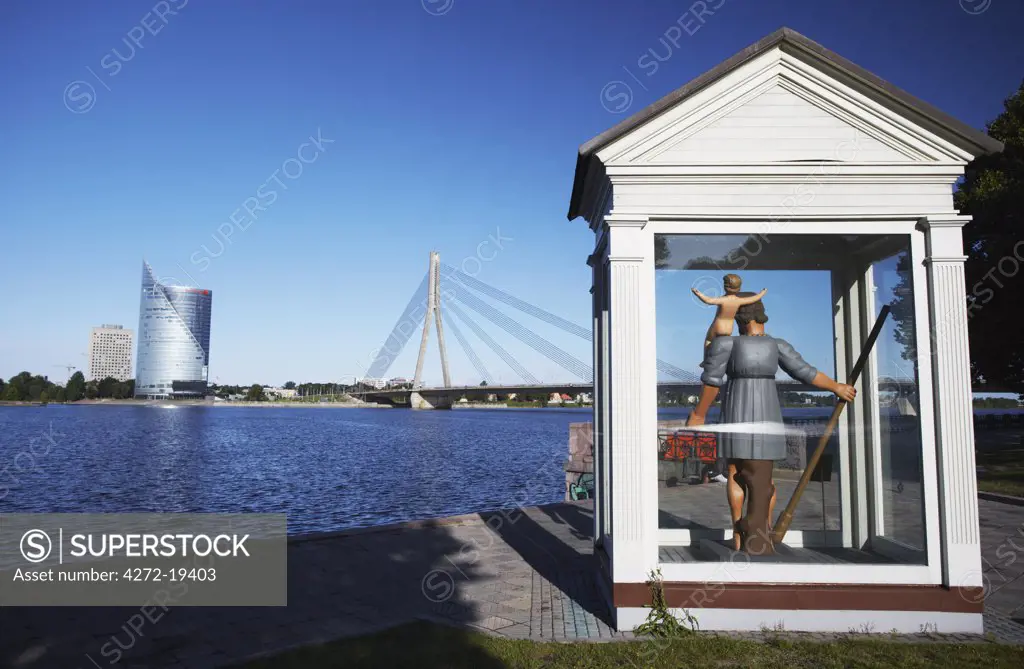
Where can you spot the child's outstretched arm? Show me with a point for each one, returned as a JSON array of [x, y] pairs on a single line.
[[709, 300], [742, 301]]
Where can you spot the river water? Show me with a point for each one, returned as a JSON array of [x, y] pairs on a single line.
[[328, 469]]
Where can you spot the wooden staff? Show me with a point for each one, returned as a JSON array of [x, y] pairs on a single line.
[[782, 526]]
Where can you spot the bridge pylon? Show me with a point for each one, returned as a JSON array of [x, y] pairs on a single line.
[[433, 311]]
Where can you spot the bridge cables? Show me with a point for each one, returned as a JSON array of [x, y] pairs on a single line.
[[525, 307], [455, 288], [458, 291], [400, 334], [509, 359], [552, 352], [464, 343]]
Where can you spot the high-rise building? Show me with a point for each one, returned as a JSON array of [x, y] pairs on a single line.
[[174, 340], [110, 353]]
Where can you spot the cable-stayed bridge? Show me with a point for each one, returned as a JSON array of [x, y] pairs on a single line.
[[448, 300]]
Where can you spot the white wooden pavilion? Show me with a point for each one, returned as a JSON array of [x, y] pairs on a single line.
[[828, 168]]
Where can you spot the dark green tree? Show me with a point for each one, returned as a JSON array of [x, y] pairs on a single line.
[[227, 391], [75, 388], [992, 192], [902, 306], [126, 389], [21, 383], [36, 386], [661, 251], [255, 394], [290, 385], [107, 387], [27, 387]]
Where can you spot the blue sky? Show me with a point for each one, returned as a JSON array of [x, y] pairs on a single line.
[[438, 132]]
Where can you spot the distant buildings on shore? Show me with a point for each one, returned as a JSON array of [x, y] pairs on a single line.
[[281, 393], [174, 340], [380, 384], [110, 353]]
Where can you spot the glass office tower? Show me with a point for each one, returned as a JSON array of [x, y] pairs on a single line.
[[174, 340]]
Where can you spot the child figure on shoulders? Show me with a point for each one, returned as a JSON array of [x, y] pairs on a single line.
[[727, 305]]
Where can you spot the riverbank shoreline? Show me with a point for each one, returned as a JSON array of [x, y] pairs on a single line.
[[281, 405], [203, 403]]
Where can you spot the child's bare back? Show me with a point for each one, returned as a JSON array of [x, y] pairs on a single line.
[[727, 305]]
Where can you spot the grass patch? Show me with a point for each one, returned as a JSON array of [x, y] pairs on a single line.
[[422, 645], [1003, 471]]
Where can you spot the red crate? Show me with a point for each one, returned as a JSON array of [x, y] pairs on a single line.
[[706, 445], [683, 445]]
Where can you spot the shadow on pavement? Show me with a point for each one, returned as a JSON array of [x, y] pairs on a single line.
[[555, 540], [338, 587]]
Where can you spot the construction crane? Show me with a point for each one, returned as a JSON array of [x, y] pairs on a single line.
[[69, 368]]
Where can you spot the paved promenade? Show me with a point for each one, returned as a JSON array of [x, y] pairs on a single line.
[[523, 574]]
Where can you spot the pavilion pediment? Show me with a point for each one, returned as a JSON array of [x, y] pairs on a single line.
[[778, 109], [780, 123], [781, 106]]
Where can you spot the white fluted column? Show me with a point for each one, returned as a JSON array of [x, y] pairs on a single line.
[[954, 415], [633, 390]]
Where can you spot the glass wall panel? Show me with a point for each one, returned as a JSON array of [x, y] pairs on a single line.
[[812, 325], [900, 499]]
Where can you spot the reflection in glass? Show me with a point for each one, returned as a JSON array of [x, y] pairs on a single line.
[[174, 339], [899, 449]]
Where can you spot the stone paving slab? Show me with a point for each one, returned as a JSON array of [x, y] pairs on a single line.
[[522, 574]]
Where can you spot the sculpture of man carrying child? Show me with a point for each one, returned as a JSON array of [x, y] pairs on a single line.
[[744, 367]]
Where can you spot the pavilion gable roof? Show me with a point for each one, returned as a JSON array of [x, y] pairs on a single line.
[[879, 147]]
